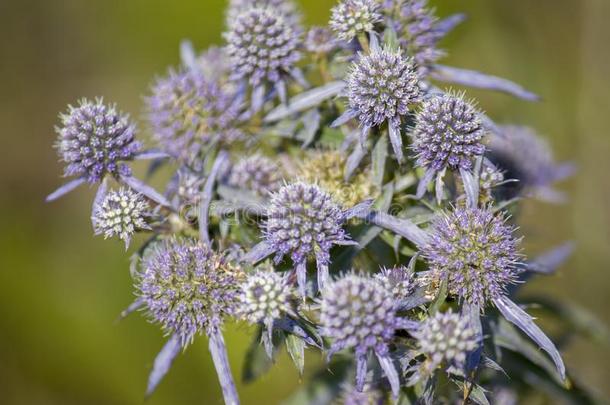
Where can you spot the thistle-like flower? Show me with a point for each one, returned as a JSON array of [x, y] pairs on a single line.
[[380, 88], [416, 28], [446, 338], [189, 113], [399, 280], [95, 139], [350, 18], [448, 134], [359, 313], [188, 288], [120, 213], [528, 158], [287, 8], [320, 41], [262, 46], [256, 173], [303, 221], [327, 168], [476, 252]]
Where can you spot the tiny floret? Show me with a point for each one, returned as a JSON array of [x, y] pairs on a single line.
[[475, 251], [189, 113], [358, 312], [350, 18], [448, 134], [94, 140], [120, 213], [187, 287], [262, 46], [446, 338], [265, 296], [256, 173]]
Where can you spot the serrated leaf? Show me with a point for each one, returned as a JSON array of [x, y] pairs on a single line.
[[296, 350], [305, 100]]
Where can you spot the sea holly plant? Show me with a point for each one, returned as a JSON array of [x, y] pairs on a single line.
[[326, 191]]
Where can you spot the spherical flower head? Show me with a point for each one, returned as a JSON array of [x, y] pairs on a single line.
[[448, 134], [265, 296], [262, 46], [475, 250], [320, 41], [256, 173], [120, 213], [415, 25], [187, 287], [350, 395], [94, 139], [399, 280], [447, 338], [381, 86], [287, 8], [327, 168], [303, 220], [189, 187], [358, 312], [188, 113], [350, 18]]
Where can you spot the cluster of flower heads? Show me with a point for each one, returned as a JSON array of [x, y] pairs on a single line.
[[299, 202]]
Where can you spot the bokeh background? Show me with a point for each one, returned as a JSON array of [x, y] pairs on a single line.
[[61, 289]]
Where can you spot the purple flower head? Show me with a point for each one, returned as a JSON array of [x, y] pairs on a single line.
[[528, 158], [120, 213], [265, 297], [287, 8], [189, 187], [416, 27], [189, 113], [303, 221], [399, 280], [359, 313], [256, 173], [95, 139], [350, 18], [368, 396], [446, 338], [490, 177], [319, 40], [262, 46], [187, 287], [448, 134], [380, 88], [475, 251]]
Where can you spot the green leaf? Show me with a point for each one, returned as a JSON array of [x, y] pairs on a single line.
[[257, 362], [440, 298], [296, 350], [390, 38], [380, 154]]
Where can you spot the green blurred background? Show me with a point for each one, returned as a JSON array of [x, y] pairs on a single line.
[[61, 289]]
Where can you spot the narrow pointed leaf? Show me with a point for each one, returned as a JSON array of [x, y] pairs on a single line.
[[344, 118], [134, 306], [146, 190], [515, 315], [218, 351], [151, 154], [390, 372], [400, 226], [379, 157], [360, 210], [395, 139], [100, 194], [65, 189], [163, 363], [353, 160], [296, 349], [305, 101], [423, 183], [259, 252], [548, 262], [471, 187], [207, 194], [256, 362], [187, 54], [311, 123], [447, 24], [479, 80]]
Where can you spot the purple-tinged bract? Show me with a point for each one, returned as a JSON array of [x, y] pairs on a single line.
[[256, 173], [448, 134], [350, 18], [446, 338], [187, 287], [262, 46], [189, 113], [120, 213], [94, 140], [475, 250]]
